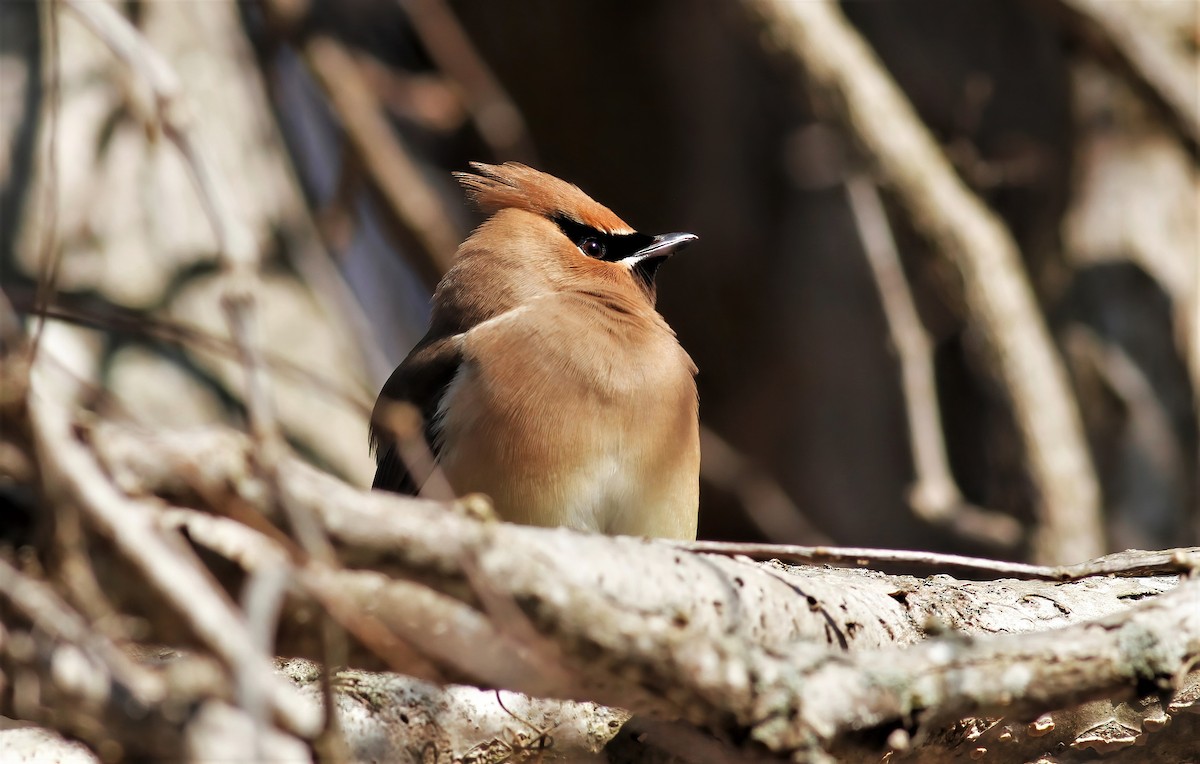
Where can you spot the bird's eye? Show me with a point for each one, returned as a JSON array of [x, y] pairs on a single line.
[[592, 248]]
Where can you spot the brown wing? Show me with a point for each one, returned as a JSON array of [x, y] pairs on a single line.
[[420, 380]]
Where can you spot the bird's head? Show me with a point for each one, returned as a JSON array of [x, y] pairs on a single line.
[[553, 226]]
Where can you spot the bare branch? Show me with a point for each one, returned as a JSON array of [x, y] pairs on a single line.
[[934, 496], [138, 323], [262, 600], [50, 254], [762, 667], [907, 161], [69, 473], [38, 602], [1010, 675], [1129, 563]]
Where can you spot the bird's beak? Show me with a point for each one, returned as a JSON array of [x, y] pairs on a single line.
[[645, 262], [663, 246]]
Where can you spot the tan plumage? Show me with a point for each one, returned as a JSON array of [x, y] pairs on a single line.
[[547, 380]]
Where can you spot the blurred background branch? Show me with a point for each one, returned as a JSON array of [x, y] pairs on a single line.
[[934, 494], [495, 116], [1159, 63], [384, 157], [996, 291]]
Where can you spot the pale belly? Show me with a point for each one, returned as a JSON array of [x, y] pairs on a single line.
[[617, 462]]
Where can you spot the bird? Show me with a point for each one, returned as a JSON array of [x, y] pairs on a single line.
[[547, 380]]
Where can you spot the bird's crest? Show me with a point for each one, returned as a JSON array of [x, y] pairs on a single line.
[[496, 187]]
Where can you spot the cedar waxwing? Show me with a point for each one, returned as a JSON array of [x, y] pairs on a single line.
[[547, 380]]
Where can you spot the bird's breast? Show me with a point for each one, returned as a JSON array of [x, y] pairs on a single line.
[[563, 420]]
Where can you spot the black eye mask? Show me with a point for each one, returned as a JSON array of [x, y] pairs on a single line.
[[610, 247]]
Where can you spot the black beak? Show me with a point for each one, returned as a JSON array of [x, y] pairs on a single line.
[[645, 261], [664, 246]]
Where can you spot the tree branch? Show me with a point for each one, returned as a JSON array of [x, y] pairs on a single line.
[[907, 161], [740, 645], [934, 495]]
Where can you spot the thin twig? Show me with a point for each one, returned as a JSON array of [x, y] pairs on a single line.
[[49, 252], [428, 99], [1149, 430], [262, 602], [320, 271], [402, 421], [934, 496], [77, 574], [1130, 563], [141, 324], [864, 557], [12, 333], [906, 160]]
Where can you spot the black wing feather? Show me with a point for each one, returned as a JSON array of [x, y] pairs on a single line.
[[420, 380]]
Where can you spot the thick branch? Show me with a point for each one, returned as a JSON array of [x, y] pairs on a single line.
[[1017, 675], [726, 643]]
